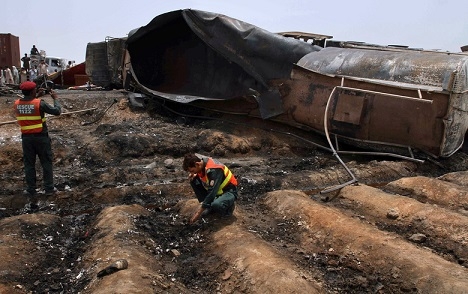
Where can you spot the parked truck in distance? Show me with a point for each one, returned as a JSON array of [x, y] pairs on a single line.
[[55, 64]]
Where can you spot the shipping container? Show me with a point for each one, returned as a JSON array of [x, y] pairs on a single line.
[[9, 51]]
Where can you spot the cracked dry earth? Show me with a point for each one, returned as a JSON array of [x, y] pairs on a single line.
[[123, 195]]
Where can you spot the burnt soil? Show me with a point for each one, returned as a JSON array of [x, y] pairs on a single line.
[[123, 194]]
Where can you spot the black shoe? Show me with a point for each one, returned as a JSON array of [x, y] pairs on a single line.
[[28, 193], [33, 204]]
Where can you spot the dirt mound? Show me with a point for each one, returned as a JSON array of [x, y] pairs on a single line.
[[123, 195]]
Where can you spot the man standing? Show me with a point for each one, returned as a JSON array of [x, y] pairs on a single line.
[[213, 183], [2, 77], [43, 70], [33, 73], [26, 61], [30, 113], [8, 76], [16, 76]]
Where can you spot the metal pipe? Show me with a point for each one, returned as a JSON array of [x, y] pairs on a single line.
[[334, 188], [383, 154], [410, 151], [51, 116], [385, 94], [102, 115], [327, 135]]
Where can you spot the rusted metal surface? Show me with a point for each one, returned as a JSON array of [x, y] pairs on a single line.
[[367, 112], [437, 127]]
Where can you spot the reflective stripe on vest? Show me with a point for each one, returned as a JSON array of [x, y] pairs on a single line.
[[228, 176], [29, 116]]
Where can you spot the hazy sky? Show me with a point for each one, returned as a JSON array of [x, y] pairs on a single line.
[[64, 28]]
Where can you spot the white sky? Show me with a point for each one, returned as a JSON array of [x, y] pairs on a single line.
[[64, 28]]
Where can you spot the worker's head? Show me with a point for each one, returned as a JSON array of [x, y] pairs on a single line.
[[192, 163], [28, 88]]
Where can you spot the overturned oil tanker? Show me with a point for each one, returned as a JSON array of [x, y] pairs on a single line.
[[383, 98]]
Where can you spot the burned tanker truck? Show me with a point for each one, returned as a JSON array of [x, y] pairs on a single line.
[[386, 99]]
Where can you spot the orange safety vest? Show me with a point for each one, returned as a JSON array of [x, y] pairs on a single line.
[[228, 176], [29, 115]]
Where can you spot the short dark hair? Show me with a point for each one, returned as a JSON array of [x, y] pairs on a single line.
[[27, 92], [189, 161]]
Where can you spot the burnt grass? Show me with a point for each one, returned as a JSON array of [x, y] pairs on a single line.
[[59, 248]]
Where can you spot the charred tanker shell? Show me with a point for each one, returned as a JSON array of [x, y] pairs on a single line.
[[189, 55], [392, 100]]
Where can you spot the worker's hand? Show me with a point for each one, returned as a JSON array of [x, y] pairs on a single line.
[[192, 176], [40, 92], [197, 215], [53, 94]]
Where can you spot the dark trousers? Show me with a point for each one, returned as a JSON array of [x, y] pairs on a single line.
[[221, 204], [41, 147]]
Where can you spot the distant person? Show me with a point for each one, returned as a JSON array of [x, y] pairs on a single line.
[[16, 76], [43, 70], [69, 65], [33, 73], [34, 50], [30, 113], [214, 185], [26, 60], [2, 77], [24, 75], [8, 76]]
